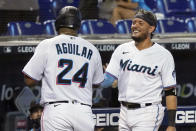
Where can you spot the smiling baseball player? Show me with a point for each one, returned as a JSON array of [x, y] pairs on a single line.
[[143, 69], [68, 67]]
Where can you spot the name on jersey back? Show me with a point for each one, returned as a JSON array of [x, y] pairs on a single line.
[[68, 48]]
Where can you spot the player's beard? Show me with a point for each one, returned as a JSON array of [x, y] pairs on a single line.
[[140, 38]]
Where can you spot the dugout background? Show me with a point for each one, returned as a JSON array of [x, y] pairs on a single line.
[[13, 57]]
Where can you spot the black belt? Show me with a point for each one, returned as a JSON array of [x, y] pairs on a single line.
[[134, 105], [73, 102]]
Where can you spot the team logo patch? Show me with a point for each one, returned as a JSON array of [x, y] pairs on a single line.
[[125, 52], [127, 65]]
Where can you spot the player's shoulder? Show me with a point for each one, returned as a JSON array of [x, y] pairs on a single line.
[[58, 38], [87, 43], [43, 43], [124, 46], [162, 50], [84, 41], [77, 39]]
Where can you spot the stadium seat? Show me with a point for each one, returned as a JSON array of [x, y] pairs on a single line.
[[145, 4], [158, 29], [25, 28], [49, 27], [171, 26], [176, 8], [45, 10], [58, 4], [151, 4], [123, 26], [96, 26], [191, 25]]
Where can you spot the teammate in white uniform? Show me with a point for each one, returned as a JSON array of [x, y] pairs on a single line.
[[143, 69], [68, 67]]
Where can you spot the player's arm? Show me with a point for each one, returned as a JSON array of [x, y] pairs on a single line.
[[168, 76], [112, 69], [171, 104], [33, 70], [29, 81], [108, 80]]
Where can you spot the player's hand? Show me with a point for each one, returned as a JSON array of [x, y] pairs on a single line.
[[171, 128], [105, 66], [115, 84]]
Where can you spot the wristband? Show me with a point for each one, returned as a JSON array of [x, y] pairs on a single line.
[[171, 117]]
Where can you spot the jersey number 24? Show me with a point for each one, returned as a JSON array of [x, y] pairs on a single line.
[[79, 76]]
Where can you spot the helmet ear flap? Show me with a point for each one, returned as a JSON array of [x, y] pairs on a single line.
[[69, 17]]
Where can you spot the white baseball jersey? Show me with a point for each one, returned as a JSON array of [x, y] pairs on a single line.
[[67, 66], [142, 74]]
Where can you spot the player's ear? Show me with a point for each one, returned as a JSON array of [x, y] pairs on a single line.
[[151, 29]]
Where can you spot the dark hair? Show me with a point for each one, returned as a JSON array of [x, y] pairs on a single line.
[[34, 107], [147, 16]]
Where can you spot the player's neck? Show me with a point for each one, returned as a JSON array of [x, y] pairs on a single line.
[[144, 44], [68, 31]]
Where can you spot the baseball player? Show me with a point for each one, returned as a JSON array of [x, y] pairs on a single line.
[[143, 69], [68, 67]]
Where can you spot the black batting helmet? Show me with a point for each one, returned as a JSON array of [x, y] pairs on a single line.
[[69, 17]]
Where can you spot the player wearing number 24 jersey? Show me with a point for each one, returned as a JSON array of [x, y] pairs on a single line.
[[68, 66]]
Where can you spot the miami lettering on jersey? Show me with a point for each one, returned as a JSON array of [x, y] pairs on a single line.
[[136, 67], [69, 48]]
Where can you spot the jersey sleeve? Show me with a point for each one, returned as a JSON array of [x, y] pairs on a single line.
[[98, 75], [168, 73], [113, 67], [35, 67]]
